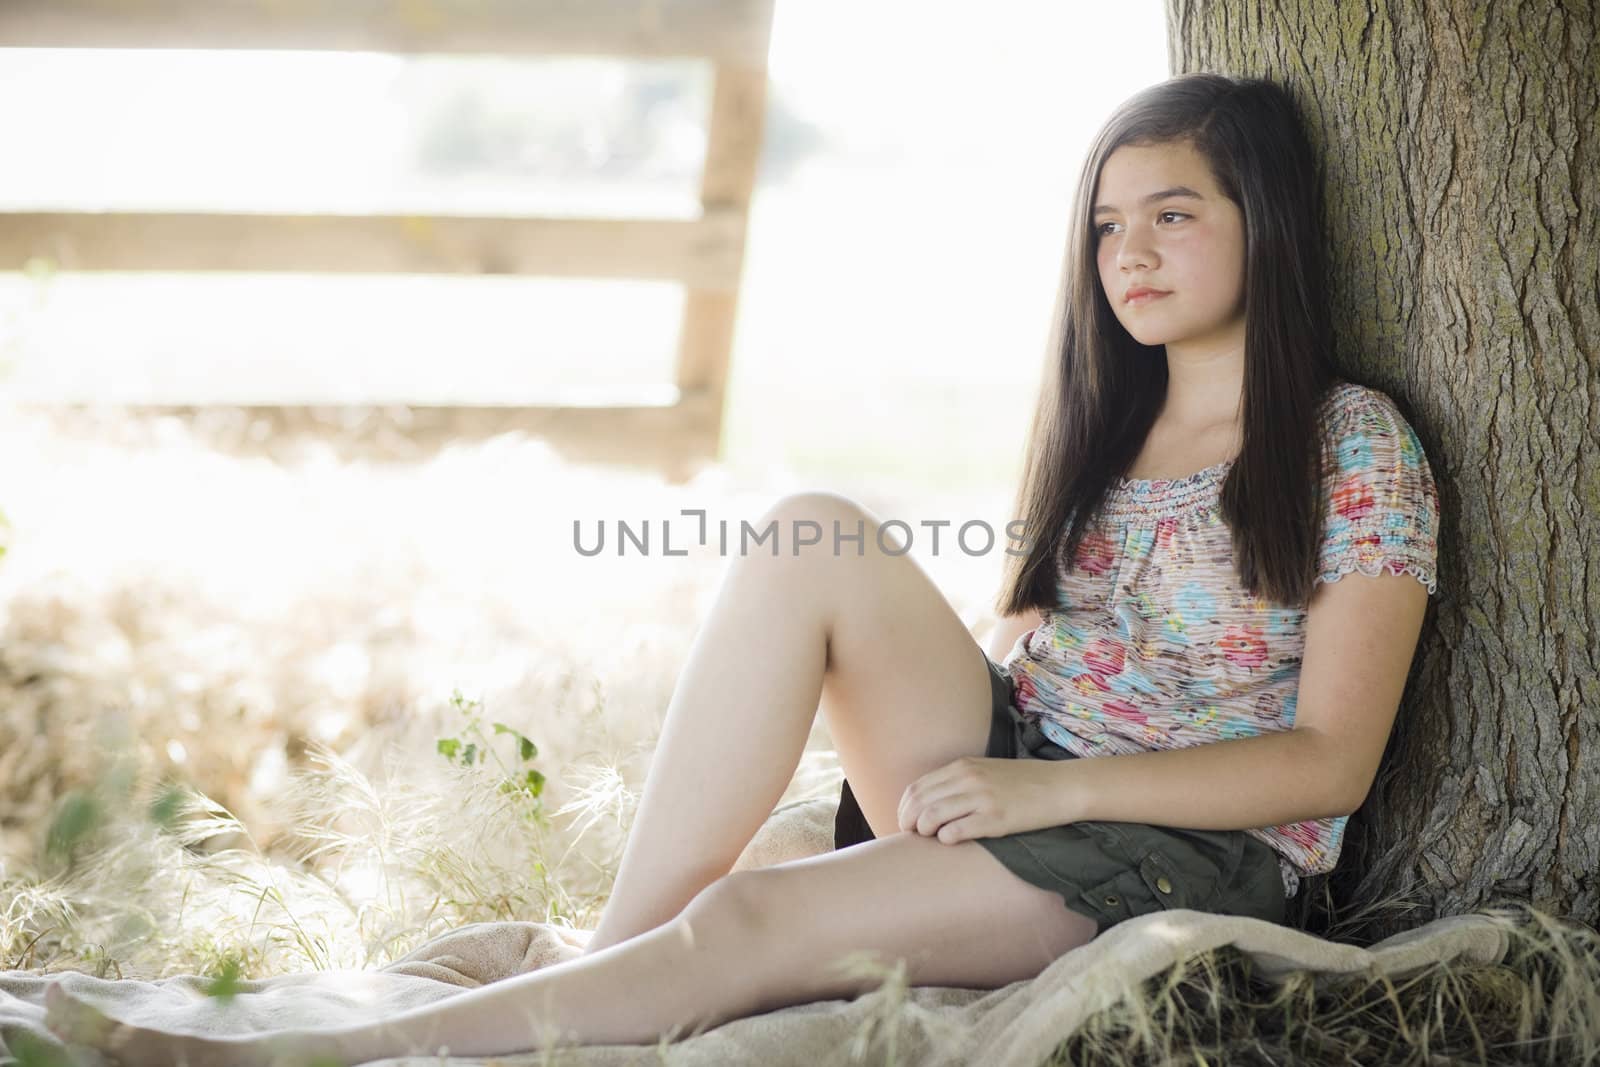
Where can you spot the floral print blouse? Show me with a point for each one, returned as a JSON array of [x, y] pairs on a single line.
[[1154, 644]]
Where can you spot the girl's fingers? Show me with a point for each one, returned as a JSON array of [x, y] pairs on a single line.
[[956, 830], [936, 816], [938, 800]]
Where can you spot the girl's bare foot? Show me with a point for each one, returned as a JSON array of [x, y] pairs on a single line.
[[77, 1022]]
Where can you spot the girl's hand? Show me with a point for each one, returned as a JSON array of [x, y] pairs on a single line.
[[981, 796]]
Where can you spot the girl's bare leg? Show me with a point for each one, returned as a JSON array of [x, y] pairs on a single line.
[[901, 680], [690, 946], [753, 941]]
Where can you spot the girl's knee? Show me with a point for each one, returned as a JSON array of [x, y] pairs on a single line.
[[814, 504], [738, 909], [816, 521]]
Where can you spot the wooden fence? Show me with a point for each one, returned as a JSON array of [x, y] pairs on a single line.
[[704, 254]]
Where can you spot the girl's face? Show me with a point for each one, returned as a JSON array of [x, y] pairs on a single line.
[[1161, 224]]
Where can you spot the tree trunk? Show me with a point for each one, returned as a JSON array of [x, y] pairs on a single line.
[[1462, 163]]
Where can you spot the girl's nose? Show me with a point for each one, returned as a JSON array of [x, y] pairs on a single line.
[[1136, 253]]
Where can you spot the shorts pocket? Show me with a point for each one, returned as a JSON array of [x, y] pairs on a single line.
[[1207, 861], [1120, 897], [1169, 886], [1179, 868], [1151, 885]]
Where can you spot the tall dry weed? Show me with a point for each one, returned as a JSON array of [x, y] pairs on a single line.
[[279, 645]]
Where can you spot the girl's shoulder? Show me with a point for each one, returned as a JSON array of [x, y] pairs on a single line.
[[1375, 463], [1382, 502], [1352, 412], [1349, 400]]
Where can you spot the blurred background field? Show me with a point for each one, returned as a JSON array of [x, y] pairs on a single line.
[[906, 234], [226, 679]]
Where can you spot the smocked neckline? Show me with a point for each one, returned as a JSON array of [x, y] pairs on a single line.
[[1156, 482], [1165, 497]]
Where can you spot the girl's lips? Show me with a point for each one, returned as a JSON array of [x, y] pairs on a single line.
[[1146, 297]]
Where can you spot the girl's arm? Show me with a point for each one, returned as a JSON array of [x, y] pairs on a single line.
[[1361, 633], [1010, 627]]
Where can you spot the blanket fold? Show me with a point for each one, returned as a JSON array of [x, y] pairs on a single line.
[[1016, 1026]]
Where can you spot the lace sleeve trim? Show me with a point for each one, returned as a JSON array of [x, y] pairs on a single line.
[[1380, 566], [1291, 877]]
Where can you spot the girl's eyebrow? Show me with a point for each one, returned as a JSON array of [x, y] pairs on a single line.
[[1164, 194]]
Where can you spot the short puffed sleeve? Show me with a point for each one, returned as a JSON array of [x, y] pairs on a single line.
[[1382, 504]]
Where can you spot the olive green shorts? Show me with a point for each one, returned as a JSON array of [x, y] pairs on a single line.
[[1111, 871]]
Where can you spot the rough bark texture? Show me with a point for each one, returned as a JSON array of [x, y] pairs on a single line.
[[1461, 153]]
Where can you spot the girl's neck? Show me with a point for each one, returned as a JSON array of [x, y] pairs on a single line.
[[1205, 385]]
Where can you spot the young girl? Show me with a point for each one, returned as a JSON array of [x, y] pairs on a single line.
[[1188, 700]]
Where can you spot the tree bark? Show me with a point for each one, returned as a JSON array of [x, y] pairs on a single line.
[[1461, 154]]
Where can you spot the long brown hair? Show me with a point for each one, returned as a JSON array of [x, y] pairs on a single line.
[[1102, 389]]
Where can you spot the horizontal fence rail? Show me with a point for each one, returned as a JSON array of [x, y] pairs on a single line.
[[704, 254], [724, 31]]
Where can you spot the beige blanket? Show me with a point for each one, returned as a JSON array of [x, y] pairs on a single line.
[[1016, 1026]]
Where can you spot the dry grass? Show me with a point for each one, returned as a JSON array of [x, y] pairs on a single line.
[[1541, 1005], [223, 692], [224, 685]]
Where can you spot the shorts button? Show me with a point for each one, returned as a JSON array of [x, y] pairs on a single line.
[[1163, 885], [1112, 901]]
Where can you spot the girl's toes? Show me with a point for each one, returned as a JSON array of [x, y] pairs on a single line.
[[55, 995], [73, 1020]]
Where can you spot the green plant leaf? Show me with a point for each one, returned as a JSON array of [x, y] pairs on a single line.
[[31, 1051], [78, 815], [448, 746], [226, 983], [526, 748], [164, 809]]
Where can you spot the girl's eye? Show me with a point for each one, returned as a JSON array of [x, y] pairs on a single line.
[[1177, 214], [1100, 230]]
